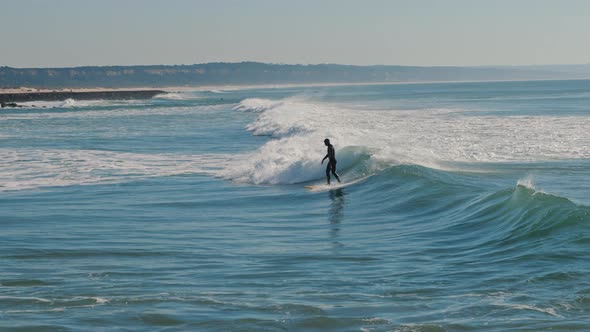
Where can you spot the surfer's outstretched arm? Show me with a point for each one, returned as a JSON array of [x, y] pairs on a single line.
[[325, 158]]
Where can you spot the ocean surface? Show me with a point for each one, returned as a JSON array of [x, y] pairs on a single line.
[[463, 207]]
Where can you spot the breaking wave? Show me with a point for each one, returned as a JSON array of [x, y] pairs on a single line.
[[434, 138]]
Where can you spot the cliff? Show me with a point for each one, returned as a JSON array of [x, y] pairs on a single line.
[[247, 73]]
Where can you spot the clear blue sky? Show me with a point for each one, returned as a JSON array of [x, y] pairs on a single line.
[[55, 33]]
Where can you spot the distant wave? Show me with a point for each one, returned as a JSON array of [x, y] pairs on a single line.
[[68, 103], [38, 168], [92, 112], [256, 105], [459, 215], [73, 103], [187, 95]]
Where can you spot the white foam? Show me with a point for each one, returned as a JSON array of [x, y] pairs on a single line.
[[30, 311], [121, 112], [433, 138], [180, 95], [549, 311], [256, 105], [72, 103], [63, 303], [50, 104], [23, 298], [507, 301], [528, 183], [35, 168], [101, 300]]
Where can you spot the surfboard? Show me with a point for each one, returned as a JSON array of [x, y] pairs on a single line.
[[334, 185], [312, 187], [327, 187]]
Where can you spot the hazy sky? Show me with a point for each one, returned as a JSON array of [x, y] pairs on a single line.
[[55, 33]]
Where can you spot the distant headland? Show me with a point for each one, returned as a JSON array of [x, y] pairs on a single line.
[[122, 82], [254, 73], [10, 97]]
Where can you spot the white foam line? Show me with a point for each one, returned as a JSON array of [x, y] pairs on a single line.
[[500, 299], [98, 300], [39, 299], [32, 311], [549, 311], [112, 113], [179, 95], [31, 168]]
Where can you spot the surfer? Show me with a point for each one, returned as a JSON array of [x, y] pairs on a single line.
[[331, 161]]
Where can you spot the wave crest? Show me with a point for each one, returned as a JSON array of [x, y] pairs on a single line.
[[274, 164], [427, 137], [256, 105]]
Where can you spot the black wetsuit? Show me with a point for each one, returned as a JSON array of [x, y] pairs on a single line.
[[331, 168]]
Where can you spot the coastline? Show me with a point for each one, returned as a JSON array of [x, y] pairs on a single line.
[[167, 89], [9, 97]]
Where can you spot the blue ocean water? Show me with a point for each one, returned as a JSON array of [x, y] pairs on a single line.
[[464, 208]]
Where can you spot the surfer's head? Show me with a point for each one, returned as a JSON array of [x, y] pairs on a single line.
[[327, 142]]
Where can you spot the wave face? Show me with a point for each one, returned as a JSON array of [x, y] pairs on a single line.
[[463, 207]]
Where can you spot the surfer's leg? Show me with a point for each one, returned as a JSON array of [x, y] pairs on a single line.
[[328, 173], [336, 176], [334, 172]]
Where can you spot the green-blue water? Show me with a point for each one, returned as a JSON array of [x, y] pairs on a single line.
[[464, 208]]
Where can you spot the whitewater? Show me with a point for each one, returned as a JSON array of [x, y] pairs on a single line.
[[464, 206]]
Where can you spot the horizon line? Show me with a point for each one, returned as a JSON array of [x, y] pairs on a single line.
[[301, 64]]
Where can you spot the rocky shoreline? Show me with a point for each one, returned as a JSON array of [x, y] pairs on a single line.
[[11, 99]]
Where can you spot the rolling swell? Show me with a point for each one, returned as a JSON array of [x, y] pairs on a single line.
[[450, 207], [495, 249]]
